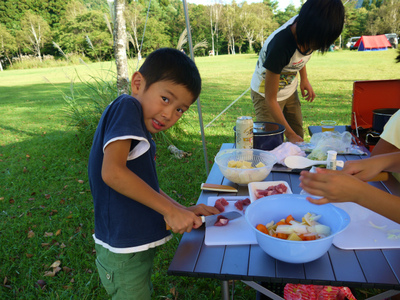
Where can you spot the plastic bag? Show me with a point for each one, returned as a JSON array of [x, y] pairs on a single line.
[[317, 292], [286, 149], [324, 141]]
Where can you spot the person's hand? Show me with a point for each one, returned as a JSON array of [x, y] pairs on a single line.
[[307, 92], [332, 186], [181, 220], [294, 138], [363, 169], [203, 210]]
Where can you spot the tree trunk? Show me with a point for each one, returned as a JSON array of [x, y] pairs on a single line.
[[212, 31], [120, 48]]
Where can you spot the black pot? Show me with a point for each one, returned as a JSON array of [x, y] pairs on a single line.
[[266, 135], [380, 118]]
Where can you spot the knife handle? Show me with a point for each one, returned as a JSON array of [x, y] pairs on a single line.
[[203, 219], [382, 176]]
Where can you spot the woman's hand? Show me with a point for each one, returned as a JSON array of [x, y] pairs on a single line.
[[332, 186]]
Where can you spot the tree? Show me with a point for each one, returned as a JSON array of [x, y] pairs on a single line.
[[267, 23], [73, 9], [87, 34], [120, 47], [249, 23], [8, 45], [215, 16], [200, 26], [35, 32], [133, 20], [230, 15], [389, 17], [283, 16]]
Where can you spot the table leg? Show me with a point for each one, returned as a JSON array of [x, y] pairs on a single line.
[[262, 289], [225, 289]]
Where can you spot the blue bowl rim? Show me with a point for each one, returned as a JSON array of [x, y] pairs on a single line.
[[279, 197]]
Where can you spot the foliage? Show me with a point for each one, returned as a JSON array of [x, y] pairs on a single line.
[[12, 12], [87, 34], [85, 105], [238, 27], [47, 62], [35, 32], [8, 44]]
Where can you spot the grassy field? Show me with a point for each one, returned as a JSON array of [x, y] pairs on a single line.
[[46, 211]]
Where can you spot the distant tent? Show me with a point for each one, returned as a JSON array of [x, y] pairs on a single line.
[[372, 43]]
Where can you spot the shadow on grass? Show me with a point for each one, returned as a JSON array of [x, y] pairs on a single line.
[[46, 215]]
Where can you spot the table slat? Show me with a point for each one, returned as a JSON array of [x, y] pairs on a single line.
[[210, 260], [320, 270], [186, 255], [289, 271], [345, 265], [261, 265], [236, 261], [393, 258], [376, 267]]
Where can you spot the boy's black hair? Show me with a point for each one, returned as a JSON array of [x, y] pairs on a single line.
[[168, 64], [319, 23]]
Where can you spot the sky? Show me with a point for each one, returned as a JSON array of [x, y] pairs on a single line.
[[282, 3]]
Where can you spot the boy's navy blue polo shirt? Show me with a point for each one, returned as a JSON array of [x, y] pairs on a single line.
[[124, 225]]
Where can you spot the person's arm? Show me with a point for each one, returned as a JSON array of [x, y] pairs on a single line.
[[199, 209], [383, 147], [337, 186], [366, 169], [271, 97], [307, 92], [116, 175]]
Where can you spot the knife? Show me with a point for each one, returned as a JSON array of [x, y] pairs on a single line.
[[210, 220]]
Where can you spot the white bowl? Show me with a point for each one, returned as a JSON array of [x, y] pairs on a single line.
[[263, 185], [277, 207], [245, 176]]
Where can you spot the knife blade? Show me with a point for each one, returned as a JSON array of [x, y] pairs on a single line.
[[210, 220]]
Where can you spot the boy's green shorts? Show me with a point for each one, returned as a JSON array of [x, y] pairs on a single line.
[[126, 276]]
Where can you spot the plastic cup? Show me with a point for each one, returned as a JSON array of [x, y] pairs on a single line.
[[328, 125]]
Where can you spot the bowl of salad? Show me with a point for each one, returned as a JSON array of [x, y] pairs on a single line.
[[291, 229]]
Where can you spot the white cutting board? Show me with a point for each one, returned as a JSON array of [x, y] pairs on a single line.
[[361, 234], [237, 232]]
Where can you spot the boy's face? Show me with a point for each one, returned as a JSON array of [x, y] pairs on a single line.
[[163, 103]]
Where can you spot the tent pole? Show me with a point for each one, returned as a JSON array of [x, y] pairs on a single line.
[[189, 34]]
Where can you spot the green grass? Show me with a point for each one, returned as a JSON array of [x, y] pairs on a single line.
[[43, 179]]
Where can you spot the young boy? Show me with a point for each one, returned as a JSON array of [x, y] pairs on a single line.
[[283, 55], [131, 211]]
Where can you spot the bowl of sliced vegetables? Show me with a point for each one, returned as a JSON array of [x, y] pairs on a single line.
[[291, 229], [243, 166]]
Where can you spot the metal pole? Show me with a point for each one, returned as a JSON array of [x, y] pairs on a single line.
[[189, 34], [225, 289]]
